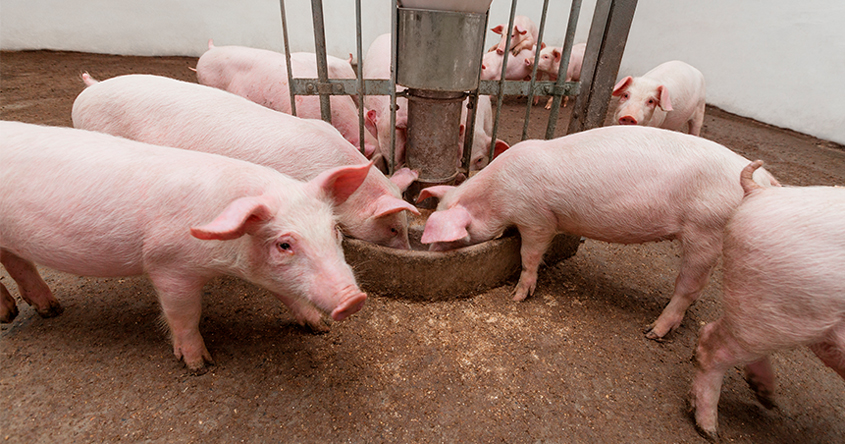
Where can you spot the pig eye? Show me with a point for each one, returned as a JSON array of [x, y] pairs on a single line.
[[283, 246], [394, 231]]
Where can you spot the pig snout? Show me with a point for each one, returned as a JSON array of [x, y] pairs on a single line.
[[351, 300], [627, 120]]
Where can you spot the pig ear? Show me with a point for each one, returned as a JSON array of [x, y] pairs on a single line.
[[387, 205], [543, 45], [242, 216], [501, 147], [437, 191], [520, 30], [341, 182], [370, 122], [620, 87], [446, 226], [663, 98], [556, 53], [404, 177], [498, 29]]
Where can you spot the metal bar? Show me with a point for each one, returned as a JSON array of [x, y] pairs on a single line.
[[534, 71], [391, 163], [608, 35], [287, 57], [566, 52], [322, 64], [501, 96], [472, 110], [360, 79]]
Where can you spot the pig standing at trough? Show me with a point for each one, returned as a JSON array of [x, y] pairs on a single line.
[[783, 286], [170, 112], [653, 185], [261, 76], [670, 96], [97, 205]]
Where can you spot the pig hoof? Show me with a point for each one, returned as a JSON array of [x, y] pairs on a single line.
[[651, 334], [200, 368], [9, 314], [52, 310], [710, 435]]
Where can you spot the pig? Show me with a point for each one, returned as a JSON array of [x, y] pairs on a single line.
[[550, 62], [261, 76], [170, 112], [377, 66], [670, 96], [783, 287], [93, 204], [653, 185], [518, 68], [523, 36], [482, 135]]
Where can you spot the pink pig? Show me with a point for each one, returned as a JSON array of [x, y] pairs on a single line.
[[550, 62], [97, 205], [670, 96], [377, 66], [654, 185], [170, 112], [261, 76], [783, 286], [523, 36], [482, 135], [519, 66]]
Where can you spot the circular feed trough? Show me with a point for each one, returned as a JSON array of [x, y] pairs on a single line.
[[434, 275]]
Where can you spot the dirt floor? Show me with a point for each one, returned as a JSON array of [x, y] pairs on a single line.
[[569, 364]]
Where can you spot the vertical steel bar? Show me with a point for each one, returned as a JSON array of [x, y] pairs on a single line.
[[322, 65], [534, 71], [360, 77], [501, 95], [568, 42], [394, 34], [469, 136], [287, 58]]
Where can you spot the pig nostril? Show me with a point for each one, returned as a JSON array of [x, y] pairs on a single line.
[[627, 120]]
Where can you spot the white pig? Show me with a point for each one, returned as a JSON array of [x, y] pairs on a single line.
[[652, 185], [550, 62], [783, 287], [519, 66], [523, 35], [482, 135], [670, 96], [97, 205], [261, 76], [170, 112], [377, 66]]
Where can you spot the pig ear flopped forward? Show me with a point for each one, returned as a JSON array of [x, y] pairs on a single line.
[[404, 177], [387, 205], [663, 96], [341, 182], [437, 191], [621, 86], [447, 226], [241, 217]]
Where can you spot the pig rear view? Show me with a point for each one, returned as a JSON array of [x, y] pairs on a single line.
[[670, 96], [652, 185], [783, 287], [97, 205]]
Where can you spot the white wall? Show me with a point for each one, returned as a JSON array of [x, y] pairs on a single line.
[[778, 61]]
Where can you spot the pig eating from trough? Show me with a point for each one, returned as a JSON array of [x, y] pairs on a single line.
[[651, 185], [170, 112], [783, 286], [670, 96], [92, 204]]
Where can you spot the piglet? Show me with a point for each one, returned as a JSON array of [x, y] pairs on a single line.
[[670, 96], [170, 112], [482, 134], [518, 68], [652, 185], [97, 205], [550, 62], [783, 286], [523, 35], [377, 66], [261, 76]]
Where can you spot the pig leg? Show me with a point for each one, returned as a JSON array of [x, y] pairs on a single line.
[[535, 242], [761, 379], [182, 306], [8, 308], [717, 351], [307, 315], [697, 122], [832, 353], [698, 259], [32, 288]]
